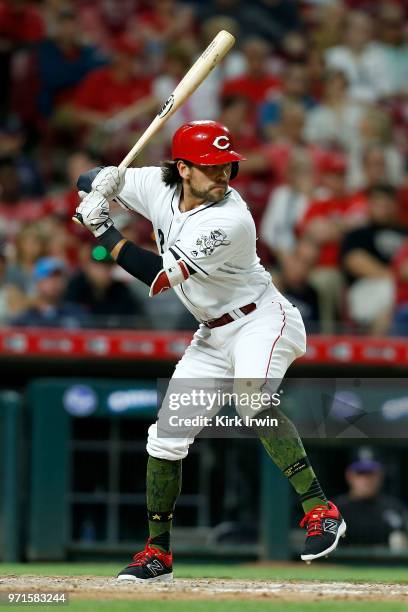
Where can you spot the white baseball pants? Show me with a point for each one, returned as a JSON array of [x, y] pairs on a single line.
[[259, 346]]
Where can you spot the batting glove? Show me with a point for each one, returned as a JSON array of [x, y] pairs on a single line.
[[109, 181], [94, 210]]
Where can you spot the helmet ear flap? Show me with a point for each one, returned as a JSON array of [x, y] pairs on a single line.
[[234, 170]]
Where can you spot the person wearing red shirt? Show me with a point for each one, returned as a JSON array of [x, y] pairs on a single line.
[[403, 200], [254, 187], [324, 223], [108, 90], [256, 83], [62, 61], [20, 22], [327, 217], [110, 101], [274, 157], [21, 25], [167, 21], [400, 268]]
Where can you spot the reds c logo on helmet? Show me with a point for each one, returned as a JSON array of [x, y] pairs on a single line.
[[221, 142], [205, 143]]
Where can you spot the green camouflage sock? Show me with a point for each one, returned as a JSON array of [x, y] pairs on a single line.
[[163, 486], [286, 450]]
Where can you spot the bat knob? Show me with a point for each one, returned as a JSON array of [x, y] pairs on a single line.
[[77, 218]]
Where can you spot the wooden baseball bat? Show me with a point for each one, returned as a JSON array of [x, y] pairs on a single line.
[[207, 61]]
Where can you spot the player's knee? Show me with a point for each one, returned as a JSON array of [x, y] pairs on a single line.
[[172, 449], [254, 395]]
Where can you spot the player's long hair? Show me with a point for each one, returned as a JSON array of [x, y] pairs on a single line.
[[170, 174]]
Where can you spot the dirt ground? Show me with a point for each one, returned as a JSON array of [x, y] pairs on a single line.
[[97, 587]]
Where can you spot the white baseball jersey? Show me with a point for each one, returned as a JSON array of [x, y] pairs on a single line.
[[216, 239]]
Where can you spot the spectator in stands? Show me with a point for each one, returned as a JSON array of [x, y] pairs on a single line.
[[30, 246], [12, 300], [3, 288], [293, 50], [167, 22], [268, 19], [373, 518], [257, 84], [375, 129], [233, 64], [294, 89], [15, 210], [109, 302], [293, 280], [63, 62], [360, 59], [273, 157], [403, 198], [366, 255], [272, 19], [394, 46], [63, 203], [100, 20], [328, 31], [375, 166], [287, 205], [335, 122], [316, 70], [65, 239], [110, 100], [332, 212], [48, 308], [13, 141], [400, 268], [253, 186], [20, 25]]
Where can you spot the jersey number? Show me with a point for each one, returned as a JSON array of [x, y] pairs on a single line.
[[161, 238]]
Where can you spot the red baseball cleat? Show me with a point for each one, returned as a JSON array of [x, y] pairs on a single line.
[[325, 526], [149, 565]]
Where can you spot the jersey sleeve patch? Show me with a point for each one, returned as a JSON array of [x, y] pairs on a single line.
[[207, 243], [207, 248]]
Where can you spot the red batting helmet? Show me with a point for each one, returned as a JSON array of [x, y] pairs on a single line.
[[206, 143]]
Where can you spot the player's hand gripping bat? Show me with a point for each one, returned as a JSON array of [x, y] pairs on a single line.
[[212, 56]]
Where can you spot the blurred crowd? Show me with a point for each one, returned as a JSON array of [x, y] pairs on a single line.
[[316, 95]]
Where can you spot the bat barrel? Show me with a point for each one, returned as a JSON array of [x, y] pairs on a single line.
[[208, 60]]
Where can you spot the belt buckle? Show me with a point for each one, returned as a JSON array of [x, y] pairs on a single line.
[[206, 323]]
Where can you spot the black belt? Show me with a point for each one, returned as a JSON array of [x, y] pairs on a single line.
[[227, 318]]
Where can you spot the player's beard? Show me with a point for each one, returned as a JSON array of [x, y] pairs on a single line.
[[207, 195]]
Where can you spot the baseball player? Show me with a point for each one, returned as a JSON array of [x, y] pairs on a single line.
[[248, 331]]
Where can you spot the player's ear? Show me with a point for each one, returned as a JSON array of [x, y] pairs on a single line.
[[184, 169]]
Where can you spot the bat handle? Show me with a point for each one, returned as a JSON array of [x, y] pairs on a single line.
[[77, 218]]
